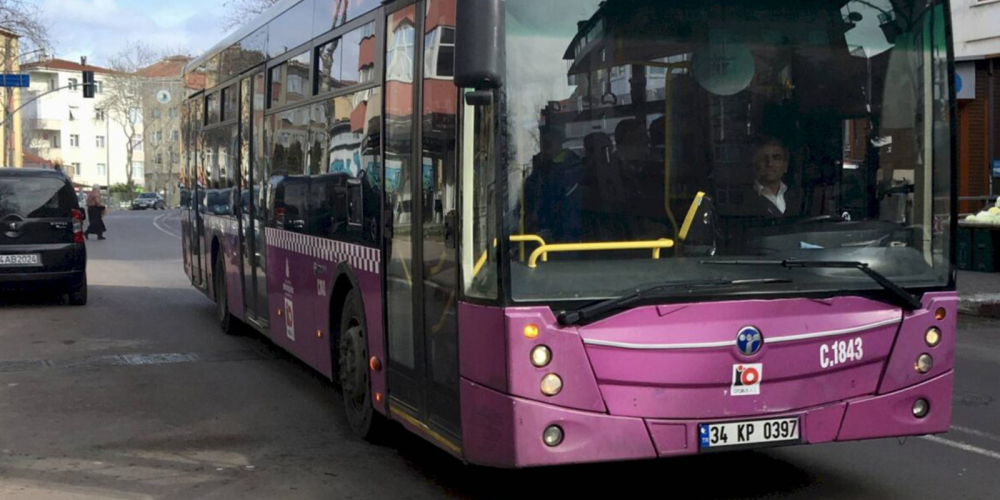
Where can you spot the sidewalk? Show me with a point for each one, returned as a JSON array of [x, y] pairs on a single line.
[[979, 294]]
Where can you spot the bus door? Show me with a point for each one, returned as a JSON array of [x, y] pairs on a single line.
[[420, 204], [197, 196], [253, 197]]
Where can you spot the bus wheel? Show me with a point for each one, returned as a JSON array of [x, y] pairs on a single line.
[[355, 379], [222, 314]]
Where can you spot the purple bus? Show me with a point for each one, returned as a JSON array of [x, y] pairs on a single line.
[[565, 231]]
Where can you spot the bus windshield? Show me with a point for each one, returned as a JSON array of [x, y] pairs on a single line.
[[644, 139]]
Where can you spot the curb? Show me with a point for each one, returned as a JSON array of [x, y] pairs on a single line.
[[985, 305]]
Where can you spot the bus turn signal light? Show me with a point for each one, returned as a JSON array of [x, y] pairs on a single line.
[[531, 331], [940, 314], [375, 364]]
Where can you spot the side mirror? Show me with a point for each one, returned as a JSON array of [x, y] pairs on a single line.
[[479, 44]]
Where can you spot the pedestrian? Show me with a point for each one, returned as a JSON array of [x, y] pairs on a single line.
[[95, 212]]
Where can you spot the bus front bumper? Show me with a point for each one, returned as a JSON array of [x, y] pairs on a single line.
[[505, 431]]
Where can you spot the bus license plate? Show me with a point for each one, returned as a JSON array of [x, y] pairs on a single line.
[[753, 433], [19, 260]]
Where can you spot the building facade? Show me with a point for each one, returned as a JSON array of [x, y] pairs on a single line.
[[63, 127], [162, 101], [976, 35]]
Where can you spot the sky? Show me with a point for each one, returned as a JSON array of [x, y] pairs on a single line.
[[100, 28]]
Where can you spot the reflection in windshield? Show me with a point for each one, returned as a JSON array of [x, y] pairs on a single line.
[[764, 129]]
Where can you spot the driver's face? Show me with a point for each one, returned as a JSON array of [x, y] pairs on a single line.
[[770, 164]]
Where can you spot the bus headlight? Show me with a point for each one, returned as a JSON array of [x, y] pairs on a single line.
[[541, 356], [921, 408], [932, 337], [551, 384], [924, 363], [553, 436]]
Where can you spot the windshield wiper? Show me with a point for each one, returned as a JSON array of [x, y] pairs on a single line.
[[903, 297], [601, 308]]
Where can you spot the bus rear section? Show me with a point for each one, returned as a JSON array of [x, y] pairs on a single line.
[[722, 226]]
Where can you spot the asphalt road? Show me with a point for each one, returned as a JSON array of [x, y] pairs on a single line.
[[138, 395]]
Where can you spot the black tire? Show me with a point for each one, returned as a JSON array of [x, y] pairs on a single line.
[[226, 321], [354, 374], [78, 294]]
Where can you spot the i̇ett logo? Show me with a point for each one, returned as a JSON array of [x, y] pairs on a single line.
[[746, 380]]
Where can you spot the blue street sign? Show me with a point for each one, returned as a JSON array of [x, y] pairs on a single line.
[[15, 80]]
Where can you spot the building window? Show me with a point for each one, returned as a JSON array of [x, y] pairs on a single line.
[[76, 168], [54, 142], [100, 141], [53, 84], [99, 115], [156, 113], [401, 54], [73, 112], [137, 142], [74, 141], [138, 169], [439, 53], [175, 136], [159, 158], [173, 113], [73, 84], [102, 169], [98, 87]]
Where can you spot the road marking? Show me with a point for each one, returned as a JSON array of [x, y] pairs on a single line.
[[156, 224], [974, 432], [964, 447]]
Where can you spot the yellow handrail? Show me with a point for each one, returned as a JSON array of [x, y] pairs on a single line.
[[692, 212], [655, 246], [480, 263], [524, 238]]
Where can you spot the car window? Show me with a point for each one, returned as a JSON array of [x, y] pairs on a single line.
[[34, 198]]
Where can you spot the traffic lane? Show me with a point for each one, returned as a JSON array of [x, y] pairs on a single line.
[[257, 428], [975, 413], [139, 301]]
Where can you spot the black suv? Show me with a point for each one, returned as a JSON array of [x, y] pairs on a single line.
[[41, 234]]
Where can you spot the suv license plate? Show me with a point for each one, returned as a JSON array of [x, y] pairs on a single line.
[[748, 434], [20, 260]]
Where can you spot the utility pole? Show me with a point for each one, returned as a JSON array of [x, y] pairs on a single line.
[[8, 131]]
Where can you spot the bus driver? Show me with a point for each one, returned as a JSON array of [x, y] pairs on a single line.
[[771, 197]]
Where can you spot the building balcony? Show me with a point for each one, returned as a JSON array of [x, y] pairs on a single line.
[[42, 124]]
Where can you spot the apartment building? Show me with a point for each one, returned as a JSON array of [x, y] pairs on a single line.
[[63, 127], [976, 35], [161, 109]]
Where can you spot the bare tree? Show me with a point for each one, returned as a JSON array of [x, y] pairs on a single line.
[[23, 19], [239, 12], [124, 95]]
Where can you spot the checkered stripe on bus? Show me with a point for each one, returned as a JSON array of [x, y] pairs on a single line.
[[360, 257]]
